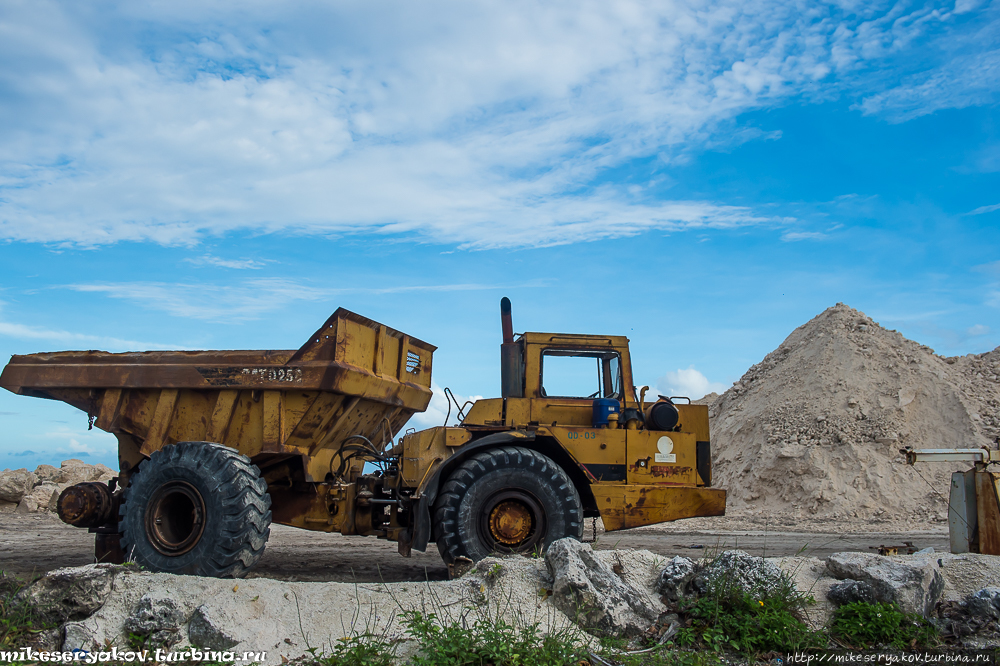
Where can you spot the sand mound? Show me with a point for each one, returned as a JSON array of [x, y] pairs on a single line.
[[814, 430]]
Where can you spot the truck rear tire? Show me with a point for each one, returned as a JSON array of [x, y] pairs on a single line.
[[505, 500], [196, 508]]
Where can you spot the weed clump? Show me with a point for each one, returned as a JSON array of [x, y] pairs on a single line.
[[488, 642], [863, 625], [361, 650], [20, 623], [734, 614]]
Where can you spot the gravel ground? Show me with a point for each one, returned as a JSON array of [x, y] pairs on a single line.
[[37, 543]]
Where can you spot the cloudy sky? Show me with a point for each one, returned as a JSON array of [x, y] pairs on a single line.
[[702, 177]]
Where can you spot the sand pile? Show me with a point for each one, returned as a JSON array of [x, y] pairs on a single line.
[[814, 430]]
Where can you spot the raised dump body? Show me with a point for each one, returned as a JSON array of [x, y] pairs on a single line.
[[290, 411]]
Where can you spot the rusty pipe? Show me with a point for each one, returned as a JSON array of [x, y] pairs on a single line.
[[511, 357], [505, 321], [87, 504]]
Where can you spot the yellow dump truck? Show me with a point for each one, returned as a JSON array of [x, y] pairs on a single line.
[[214, 446]]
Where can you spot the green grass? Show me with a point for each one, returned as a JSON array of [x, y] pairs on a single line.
[[864, 625], [488, 642], [752, 622], [19, 622], [365, 650]]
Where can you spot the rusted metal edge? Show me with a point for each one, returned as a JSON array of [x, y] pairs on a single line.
[[19, 377]]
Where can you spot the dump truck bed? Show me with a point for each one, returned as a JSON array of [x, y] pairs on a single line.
[[353, 376]]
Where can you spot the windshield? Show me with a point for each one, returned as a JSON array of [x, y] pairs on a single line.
[[576, 374]]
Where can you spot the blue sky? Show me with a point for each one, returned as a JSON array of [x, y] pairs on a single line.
[[702, 177]]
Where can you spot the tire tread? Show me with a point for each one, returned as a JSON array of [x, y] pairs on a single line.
[[246, 506]]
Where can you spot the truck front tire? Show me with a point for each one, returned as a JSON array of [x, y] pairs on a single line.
[[196, 508], [505, 500]]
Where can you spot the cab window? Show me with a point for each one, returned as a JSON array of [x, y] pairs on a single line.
[[576, 374]]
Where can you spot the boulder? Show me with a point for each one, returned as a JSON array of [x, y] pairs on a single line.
[[42, 498], [753, 575], [984, 604], [591, 594], [76, 471], [72, 593], [674, 580], [47, 473], [211, 628], [7, 507], [77, 636], [15, 484], [849, 592], [157, 619], [915, 587]]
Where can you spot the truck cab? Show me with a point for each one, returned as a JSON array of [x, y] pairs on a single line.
[[571, 398]]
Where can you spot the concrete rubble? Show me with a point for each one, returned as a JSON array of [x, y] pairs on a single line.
[[589, 591], [575, 589], [23, 491], [914, 586]]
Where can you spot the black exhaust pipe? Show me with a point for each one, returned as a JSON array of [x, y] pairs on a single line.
[[505, 321], [511, 356]]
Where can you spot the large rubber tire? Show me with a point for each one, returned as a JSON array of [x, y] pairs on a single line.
[[196, 508], [505, 500]]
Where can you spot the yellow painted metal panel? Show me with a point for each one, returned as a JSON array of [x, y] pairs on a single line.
[[694, 419], [661, 458], [273, 421], [488, 411], [190, 416], [421, 451], [222, 412], [628, 506], [518, 412], [110, 404], [600, 451], [157, 433], [562, 411]]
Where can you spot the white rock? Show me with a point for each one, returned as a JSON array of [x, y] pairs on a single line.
[[675, 577], [915, 586], [46, 472], [985, 603], [71, 593], [41, 498], [213, 628], [77, 636], [588, 590], [15, 484], [754, 575]]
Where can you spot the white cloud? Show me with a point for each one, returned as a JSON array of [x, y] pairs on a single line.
[[978, 329], [238, 264], [72, 442], [236, 302], [76, 340], [791, 236], [971, 81], [984, 209], [437, 410], [247, 300], [689, 382], [480, 125]]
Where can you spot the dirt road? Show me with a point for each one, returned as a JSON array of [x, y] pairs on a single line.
[[34, 544]]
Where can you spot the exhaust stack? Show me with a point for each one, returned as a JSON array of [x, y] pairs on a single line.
[[511, 357]]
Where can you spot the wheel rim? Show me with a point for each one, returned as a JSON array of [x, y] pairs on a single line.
[[175, 518], [513, 521]]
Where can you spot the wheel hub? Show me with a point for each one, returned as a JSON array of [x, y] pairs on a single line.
[[510, 522], [175, 518]]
